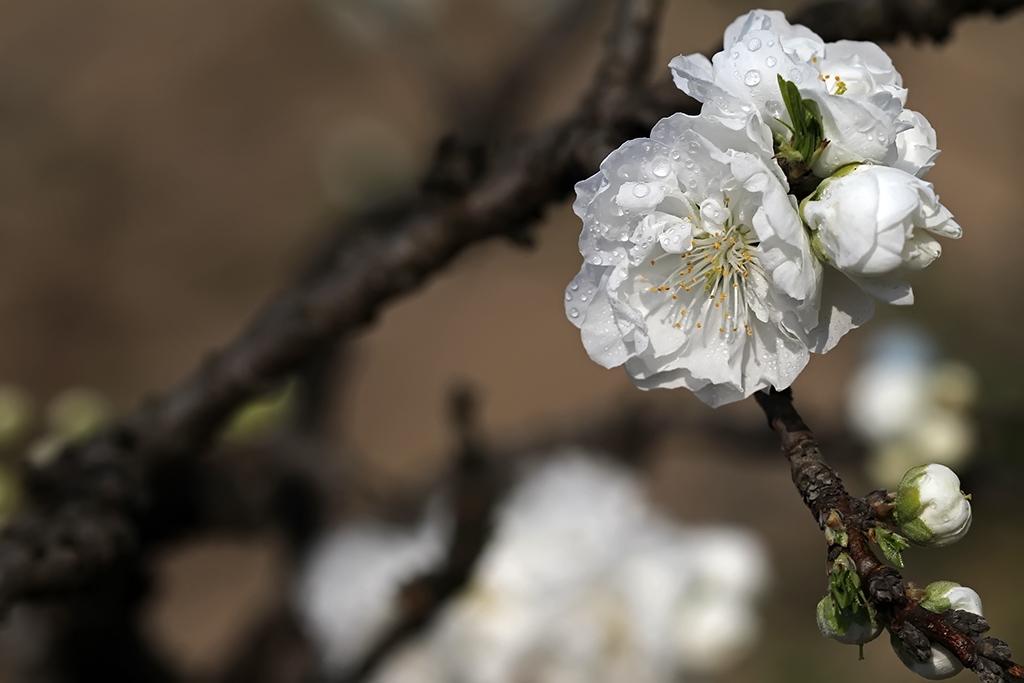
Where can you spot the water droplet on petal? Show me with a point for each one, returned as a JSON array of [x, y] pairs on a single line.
[[694, 148], [660, 168], [754, 44], [568, 296], [771, 43], [583, 298], [574, 286], [676, 155], [774, 109], [771, 61], [573, 313], [795, 75], [752, 78], [735, 54], [641, 190]]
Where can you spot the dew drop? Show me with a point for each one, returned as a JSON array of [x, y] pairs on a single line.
[[735, 54], [640, 190], [583, 298], [568, 296], [774, 109], [771, 43], [573, 313], [694, 148], [752, 77], [676, 155], [660, 168], [795, 75], [574, 286], [754, 44], [771, 62]]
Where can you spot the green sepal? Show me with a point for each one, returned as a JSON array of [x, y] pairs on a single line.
[[935, 600], [846, 603]]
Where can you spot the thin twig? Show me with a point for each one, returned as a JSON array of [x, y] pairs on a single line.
[[889, 594]]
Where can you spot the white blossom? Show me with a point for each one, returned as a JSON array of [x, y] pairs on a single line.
[[910, 407], [859, 92], [347, 590], [930, 507], [697, 270], [584, 581], [876, 224], [940, 597]]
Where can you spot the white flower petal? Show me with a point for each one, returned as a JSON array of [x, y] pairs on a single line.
[[916, 148], [844, 307]]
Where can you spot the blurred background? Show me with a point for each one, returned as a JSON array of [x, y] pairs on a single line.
[[166, 166]]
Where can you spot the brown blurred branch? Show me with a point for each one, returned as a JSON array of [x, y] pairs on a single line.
[[475, 487], [88, 507], [962, 633]]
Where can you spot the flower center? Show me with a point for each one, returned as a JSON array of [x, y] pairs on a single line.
[[717, 282]]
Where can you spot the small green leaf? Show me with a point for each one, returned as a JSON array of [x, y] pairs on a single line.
[[892, 545], [837, 537], [807, 138]]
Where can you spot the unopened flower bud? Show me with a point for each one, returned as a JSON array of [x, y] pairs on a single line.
[[857, 628], [940, 597], [930, 507], [873, 220]]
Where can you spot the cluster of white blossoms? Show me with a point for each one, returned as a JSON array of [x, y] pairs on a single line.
[[910, 406], [724, 249], [582, 581]]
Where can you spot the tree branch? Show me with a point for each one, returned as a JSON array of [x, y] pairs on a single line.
[[89, 506], [893, 598]]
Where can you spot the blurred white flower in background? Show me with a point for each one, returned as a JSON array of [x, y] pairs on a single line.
[[348, 588], [910, 406], [583, 581]]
